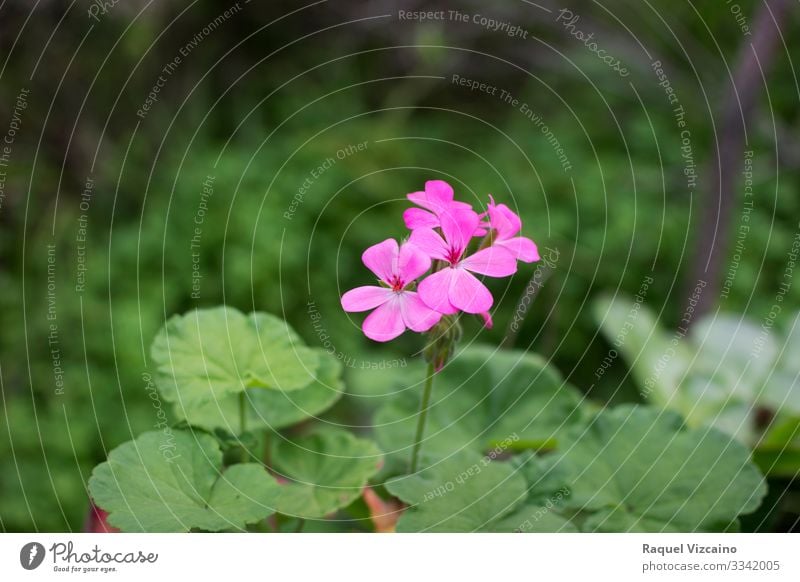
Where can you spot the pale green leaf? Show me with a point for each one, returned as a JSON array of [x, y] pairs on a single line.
[[533, 518], [327, 470], [210, 353], [270, 409], [464, 492], [174, 481], [732, 345], [640, 469]]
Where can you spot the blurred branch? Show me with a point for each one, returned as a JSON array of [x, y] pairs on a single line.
[[714, 228]]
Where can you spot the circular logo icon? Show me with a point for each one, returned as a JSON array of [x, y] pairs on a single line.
[[31, 555]]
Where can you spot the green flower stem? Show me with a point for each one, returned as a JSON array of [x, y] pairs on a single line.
[[423, 417]]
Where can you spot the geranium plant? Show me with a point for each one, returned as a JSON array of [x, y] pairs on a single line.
[[510, 445]]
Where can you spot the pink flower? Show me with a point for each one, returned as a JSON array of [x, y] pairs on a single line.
[[455, 287], [506, 225], [396, 308], [437, 198]]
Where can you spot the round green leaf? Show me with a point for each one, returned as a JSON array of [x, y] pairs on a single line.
[[464, 492], [534, 518], [483, 399], [210, 353], [640, 469], [174, 481], [270, 409], [728, 342], [372, 386], [327, 470], [782, 390]]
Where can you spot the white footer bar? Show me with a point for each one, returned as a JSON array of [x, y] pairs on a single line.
[[355, 557]]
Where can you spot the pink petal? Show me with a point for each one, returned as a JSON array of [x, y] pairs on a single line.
[[467, 293], [513, 219], [487, 320], [419, 218], [504, 221], [524, 249], [458, 226], [412, 262], [421, 199], [429, 242], [438, 195], [381, 259], [434, 290], [386, 322], [416, 315], [439, 191], [365, 298], [494, 261]]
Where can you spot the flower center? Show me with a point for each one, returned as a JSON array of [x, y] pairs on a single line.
[[454, 255], [396, 283]]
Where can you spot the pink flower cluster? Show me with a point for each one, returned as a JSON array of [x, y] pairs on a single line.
[[442, 229]]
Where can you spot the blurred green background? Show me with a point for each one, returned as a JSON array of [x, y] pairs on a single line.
[[260, 100]]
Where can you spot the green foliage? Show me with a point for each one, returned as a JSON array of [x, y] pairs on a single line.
[[483, 397], [632, 469], [640, 469], [726, 370], [269, 409], [164, 482], [496, 413], [213, 353], [327, 471], [461, 493], [778, 451], [212, 365]]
